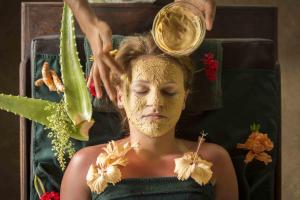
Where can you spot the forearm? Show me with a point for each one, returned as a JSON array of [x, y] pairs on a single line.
[[83, 13]]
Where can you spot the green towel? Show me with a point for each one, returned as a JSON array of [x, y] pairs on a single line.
[[158, 188]]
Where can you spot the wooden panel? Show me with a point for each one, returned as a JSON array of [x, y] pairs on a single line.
[[40, 19]]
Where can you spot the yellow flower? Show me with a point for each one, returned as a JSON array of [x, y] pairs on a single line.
[[106, 169], [96, 180], [192, 165]]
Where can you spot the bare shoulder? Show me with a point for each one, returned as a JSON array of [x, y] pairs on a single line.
[[87, 155], [223, 171], [73, 184], [209, 151], [214, 152]]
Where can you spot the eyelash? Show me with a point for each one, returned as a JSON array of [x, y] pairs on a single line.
[[163, 91], [168, 93]]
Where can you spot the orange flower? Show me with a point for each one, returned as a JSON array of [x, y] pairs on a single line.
[[257, 144]]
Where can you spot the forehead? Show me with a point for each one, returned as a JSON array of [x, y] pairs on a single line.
[[156, 69]]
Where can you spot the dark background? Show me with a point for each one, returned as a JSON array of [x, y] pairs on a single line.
[[289, 54], [10, 57]]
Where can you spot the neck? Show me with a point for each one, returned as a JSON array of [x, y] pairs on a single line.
[[154, 146]]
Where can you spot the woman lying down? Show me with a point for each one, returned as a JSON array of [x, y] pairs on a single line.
[[150, 163]]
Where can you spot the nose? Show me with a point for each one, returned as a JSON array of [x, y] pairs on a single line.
[[155, 100]]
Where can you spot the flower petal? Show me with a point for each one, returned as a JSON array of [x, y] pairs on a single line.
[[99, 185], [92, 174], [183, 168], [96, 182], [113, 174], [249, 157], [102, 160], [202, 173]]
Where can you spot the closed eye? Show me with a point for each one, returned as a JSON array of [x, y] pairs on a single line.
[[169, 92], [140, 90]]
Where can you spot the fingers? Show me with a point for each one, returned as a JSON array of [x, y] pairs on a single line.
[[104, 74], [97, 81], [207, 7], [209, 11], [112, 64], [106, 39], [100, 39], [90, 78], [100, 74]]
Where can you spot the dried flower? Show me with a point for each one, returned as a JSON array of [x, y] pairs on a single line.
[[257, 143], [192, 165], [211, 66], [106, 169]]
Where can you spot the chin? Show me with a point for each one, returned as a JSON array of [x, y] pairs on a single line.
[[155, 132]]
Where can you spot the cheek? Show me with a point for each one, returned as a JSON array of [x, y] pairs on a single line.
[[175, 105], [176, 102], [134, 104]]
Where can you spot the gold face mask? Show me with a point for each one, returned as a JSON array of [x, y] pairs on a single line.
[[155, 96]]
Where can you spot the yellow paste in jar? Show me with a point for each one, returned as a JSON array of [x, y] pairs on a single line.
[[178, 30]]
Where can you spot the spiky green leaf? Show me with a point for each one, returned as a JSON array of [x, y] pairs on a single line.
[[33, 109], [76, 96]]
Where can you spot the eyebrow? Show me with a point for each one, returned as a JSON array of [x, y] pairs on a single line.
[[143, 81], [140, 81]]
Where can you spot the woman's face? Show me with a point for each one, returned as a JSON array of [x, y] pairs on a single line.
[[155, 96]]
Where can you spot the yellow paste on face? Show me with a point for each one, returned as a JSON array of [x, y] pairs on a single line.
[[177, 29], [151, 74]]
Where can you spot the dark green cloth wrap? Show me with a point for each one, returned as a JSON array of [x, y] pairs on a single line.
[[162, 188], [248, 95]]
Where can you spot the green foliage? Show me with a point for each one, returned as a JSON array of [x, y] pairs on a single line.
[[71, 118], [61, 125], [255, 127], [39, 186]]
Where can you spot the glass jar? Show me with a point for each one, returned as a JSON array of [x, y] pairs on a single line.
[[178, 28]]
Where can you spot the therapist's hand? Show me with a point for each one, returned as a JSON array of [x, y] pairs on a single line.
[[207, 7], [100, 38]]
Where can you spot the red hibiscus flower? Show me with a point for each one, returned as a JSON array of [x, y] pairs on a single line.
[[211, 66], [50, 196]]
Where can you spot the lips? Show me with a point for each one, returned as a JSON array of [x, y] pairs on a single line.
[[154, 116]]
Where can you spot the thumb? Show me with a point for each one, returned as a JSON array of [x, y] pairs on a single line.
[[209, 10]]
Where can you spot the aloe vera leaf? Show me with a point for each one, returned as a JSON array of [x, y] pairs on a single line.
[[33, 109], [38, 185], [76, 96]]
